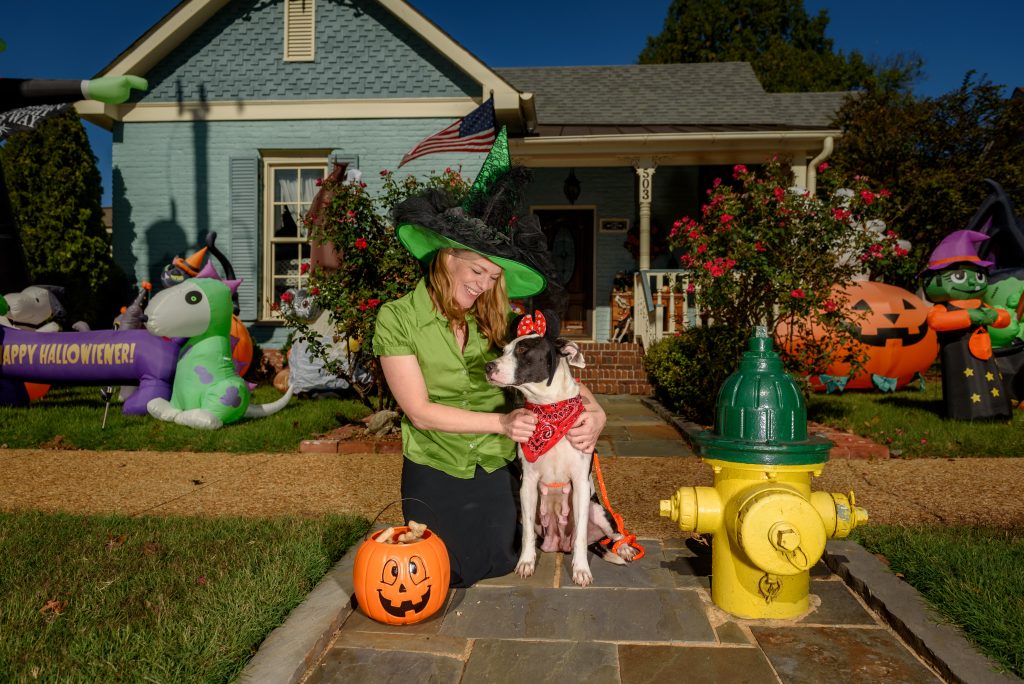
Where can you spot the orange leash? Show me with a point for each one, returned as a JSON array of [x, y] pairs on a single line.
[[627, 536]]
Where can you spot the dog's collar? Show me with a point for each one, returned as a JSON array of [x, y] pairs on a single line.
[[553, 421]]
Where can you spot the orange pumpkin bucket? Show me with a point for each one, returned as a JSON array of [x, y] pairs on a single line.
[[401, 583]]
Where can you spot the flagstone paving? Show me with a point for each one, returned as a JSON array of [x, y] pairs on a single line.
[[651, 621]]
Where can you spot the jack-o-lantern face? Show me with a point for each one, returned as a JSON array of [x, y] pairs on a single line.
[[897, 318], [401, 584], [404, 586], [890, 325]]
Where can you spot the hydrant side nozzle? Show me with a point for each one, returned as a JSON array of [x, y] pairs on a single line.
[[838, 512], [696, 509]]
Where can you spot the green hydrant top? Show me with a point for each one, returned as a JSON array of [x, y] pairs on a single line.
[[760, 416]]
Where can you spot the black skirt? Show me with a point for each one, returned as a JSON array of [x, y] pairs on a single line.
[[476, 518]]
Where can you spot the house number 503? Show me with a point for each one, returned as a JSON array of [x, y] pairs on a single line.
[[645, 183]]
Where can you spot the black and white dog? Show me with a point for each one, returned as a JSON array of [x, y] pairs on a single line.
[[557, 496]]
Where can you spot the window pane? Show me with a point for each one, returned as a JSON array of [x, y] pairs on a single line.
[[286, 223], [308, 179], [286, 183]]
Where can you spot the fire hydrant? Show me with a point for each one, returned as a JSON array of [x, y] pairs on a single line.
[[767, 527]]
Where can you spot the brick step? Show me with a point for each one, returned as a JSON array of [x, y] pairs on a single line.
[[613, 368]]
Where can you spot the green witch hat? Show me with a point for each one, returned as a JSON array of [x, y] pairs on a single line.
[[485, 223]]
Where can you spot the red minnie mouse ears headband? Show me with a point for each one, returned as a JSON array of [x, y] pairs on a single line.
[[545, 323]]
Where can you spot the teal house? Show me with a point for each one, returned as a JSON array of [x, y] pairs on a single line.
[[251, 101]]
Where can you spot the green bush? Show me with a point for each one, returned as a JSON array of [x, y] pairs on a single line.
[[687, 370]]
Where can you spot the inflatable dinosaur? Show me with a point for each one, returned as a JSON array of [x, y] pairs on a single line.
[[207, 392]]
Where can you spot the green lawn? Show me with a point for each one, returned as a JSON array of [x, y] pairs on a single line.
[[112, 598], [910, 423], [972, 576], [72, 417]]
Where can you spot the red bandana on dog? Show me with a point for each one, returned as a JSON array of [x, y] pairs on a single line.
[[553, 421]]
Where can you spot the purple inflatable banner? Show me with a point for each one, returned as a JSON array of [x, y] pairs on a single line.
[[97, 357]]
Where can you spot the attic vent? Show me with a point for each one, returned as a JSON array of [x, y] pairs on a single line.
[[299, 26]]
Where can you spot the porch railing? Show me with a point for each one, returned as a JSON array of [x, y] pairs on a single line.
[[662, 305]]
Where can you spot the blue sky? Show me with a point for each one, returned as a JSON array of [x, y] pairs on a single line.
[[75, 39]]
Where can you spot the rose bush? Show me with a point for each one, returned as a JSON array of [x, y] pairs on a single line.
[[374, 268], [763, 253]]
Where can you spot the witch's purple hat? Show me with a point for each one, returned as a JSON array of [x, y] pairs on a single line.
[[958, 248]]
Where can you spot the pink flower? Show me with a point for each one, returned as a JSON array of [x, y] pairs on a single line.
[[319, 182], [691, 288], [701, 249], [726, 218], [373, 303], [759, 247], [779, 193], [867, 196], [361, 243], [797, 293], [716, 182], [822, 167], [738, 170], [830, 305], [693, 234], [686, 260], [304, 267], [884, 193], [362, 306], [384, 172], [899, 251], [286, 297], [924, 440], [841, 214]]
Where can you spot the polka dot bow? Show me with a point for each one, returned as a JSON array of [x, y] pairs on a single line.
[[532, 324]]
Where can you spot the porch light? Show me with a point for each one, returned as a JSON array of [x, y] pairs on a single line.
[[571, 187]]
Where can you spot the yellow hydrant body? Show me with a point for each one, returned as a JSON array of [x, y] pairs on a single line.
[[768, 529]]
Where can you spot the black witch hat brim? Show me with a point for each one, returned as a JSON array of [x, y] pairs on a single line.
[[423, 243]]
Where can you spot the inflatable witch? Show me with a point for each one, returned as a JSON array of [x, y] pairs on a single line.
[[955, 279], [24, 103]]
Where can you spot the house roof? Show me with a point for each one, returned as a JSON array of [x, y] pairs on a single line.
[[665, 98]]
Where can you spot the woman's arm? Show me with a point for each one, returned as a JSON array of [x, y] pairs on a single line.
[[405, 380], [588, 427]]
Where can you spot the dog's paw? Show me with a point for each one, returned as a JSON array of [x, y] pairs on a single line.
[[626, 552], [581, 575], [524, 568]]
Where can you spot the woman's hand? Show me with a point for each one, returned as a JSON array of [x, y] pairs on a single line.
[[588, 427], [519, 425]]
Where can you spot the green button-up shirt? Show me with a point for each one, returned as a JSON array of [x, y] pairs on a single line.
[[411, 326]]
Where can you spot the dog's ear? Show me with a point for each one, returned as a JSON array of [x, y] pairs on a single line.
[[571, 352]]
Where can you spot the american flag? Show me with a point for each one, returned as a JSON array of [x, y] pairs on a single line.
[[472, 133]]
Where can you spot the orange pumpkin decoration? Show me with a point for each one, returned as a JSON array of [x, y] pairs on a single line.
[[241, 345], [401, 584], [892, 331]]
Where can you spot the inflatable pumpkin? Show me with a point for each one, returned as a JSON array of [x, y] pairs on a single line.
[[241, 345], [891, 329], [401, 584]]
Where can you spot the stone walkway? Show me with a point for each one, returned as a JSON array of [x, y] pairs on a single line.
[[650, 621]]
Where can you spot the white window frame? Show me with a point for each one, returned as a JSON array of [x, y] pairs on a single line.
[[272, 163]]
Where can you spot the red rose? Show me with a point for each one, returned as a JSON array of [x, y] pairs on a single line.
[[361, 243], [797, 293], [286, 297], [362, 306], [304, 267], [373, 303]]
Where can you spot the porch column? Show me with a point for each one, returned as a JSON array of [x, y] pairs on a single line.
[[645, 170]]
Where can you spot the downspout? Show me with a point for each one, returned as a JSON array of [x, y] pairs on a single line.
[[812, 166]]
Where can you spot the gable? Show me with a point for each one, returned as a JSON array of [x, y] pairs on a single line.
[[362, 52]]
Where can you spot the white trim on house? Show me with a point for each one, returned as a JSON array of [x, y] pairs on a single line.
[[278, 110]]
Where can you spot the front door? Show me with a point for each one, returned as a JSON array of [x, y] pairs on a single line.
[[570, 234]]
